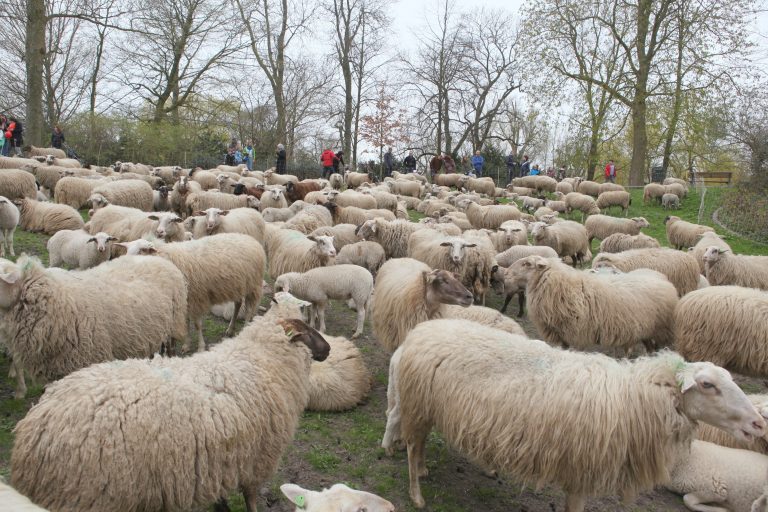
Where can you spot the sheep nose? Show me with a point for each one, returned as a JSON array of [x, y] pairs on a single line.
[[759, 425]]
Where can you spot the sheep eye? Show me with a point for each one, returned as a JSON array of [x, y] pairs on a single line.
[[707, 385]]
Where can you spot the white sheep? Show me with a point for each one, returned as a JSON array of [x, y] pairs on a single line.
[[392, 236], [619, 242], [337, 498], [339, 282], [340, 382], [343, 234], [14, 502], [706, 240], [670, 201], [603, 226], [614, 198], [682, 234], [273, 198], [17, 184], [679, 268], [74, 191], [201, 201], [161, 201], [36, 216], [247, 221], [516, 252], [368, 255], [132, 193], [79, 249], [584, 203], [567, 238], [9, 219], [722, 267], [291, 251]]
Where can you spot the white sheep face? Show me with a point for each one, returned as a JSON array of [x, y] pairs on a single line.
[[713, 254], [137, 247], [213, 217], [102, 241], [338, 498], [324, 245], [457, 249], [169, 225]]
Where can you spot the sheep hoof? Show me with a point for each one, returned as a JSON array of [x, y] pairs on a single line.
[[19, 395], [356, 335], [423, 472], [418, 501]]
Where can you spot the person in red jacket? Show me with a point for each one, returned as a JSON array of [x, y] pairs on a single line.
[[327, 159], [610, 172]]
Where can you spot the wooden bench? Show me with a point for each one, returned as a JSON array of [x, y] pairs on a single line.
[[714, 178]]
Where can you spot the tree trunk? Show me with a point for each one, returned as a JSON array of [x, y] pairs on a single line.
[[637, 169], [34, 53], [677, 100], [592, 154]]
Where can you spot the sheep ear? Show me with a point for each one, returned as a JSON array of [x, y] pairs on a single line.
[[470, 245], [91, 240], [153, 217], [177, 220], [310, 237], [199, 213], [10, 277], [445, 244], [224, 212], [685, 378], [722, 251], [542, 264], [297, 495], [121, 244], [111, 239]]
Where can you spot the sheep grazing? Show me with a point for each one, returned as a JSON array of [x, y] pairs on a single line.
[[368, 255], [131, 193], [722, 267], [670, 201], [678, 267], [619, 242], [36, 216], [466, 381], [567, 238], [79, 249], [239, 220], [609, 187], [514, 253], [200, 201], [408, 292], [239, 403], [291, 251], [712, 477], [74, 191], [58, 322], [9, 219], [581, 202], [682, 234], [17, 184], [589, 188], [578, 309], [392, 236], [355, 179], [653, 191], [706, 240], [489, 217], [341, 381], [614, 198], [756, 444], [319, 285], [338, 497], [603, 226], [727, 325]]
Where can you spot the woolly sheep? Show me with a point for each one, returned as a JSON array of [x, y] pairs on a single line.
[[79, 249], [393, 236], [343, 235], [722, 267], [582, 202], [17, 184], [352, 198], [74, 191], [341, 381], [14, 502], [272, 178], [682, 234], [714, 478], [181, 192], [567, 238], [727, 325], [201, 201], [514, 253], [614, 198], [130, 167], [384, 200], [653, 191], [354, 215], [33, 151], [310, 219], [368, 255], [238, 220], [677, 189], [486, 316], [706, 240], [670, 180], [291, 251], [408, 292], [336, 180], [405, 188], [609, 187], [169, 174], [161, 201], [206, 180], [557, 206], [531, 203], [678, 267], [756, 444], [619, 242], [9, 219], [447, 180], [589, 188], [69, 320], [277, 214], [603, 226], [577, 309], [273, 198], [337, 498], [489, 217], [513, 233], [633, 413], [234, 410], [132, 193], [670, 201], [355, 179], [564, 187], [36, 216], [318, 285], [60, 162]]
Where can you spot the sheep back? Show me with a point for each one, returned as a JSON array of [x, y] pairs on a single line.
[[17, 184], [49, 218], [132, 193], [680, 268]]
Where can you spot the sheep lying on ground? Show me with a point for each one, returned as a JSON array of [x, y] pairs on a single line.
[[368, 255], [614, 198], [239, 404], [36, 216], [727, 325], [619, 242], [392, 236], [682, 234], [706, 240], [17, 184], [603, 226], [571, 308], [713, 478], [567, 238], [9, 219], [653, 191], [337, 498], [58, 322], [466, 380], [670, 201], [79, 249], [514, 253], [756, 444], [722, 267], [132, 193], [14, 502], [341, 381], [339, 282], [291, 251], [678, 267]]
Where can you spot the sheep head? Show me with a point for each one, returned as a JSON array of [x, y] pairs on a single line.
[[102, 241], [98, 201], [324, 245], [457, 248], [640, 221], [713, 254], [299, 332], [11, 280], [212, 217], [530, 265], [168, 226], [443, 287], [338, 497]]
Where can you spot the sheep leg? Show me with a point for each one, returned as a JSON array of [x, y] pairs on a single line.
[[235, 314], [250, 495], [392, 432], [520, 303], [200, 339], [21, 385], [321, 316], [695, 501], [415, 454], [360, 320], [221, 506], [507, 300], [574, 503], [9, 241]]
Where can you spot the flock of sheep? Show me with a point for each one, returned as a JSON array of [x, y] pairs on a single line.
[[126, 424]]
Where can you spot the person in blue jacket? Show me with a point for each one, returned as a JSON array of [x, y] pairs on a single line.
[[477, 163]]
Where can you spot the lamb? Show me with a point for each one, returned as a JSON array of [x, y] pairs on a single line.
[[79, 249], [355, 179], [343, 235], [160, 199], [670, 201], [620, 242], [589, 188], [603, 226], [653, 191], [727, 325], [722, 267], [614, 198], [393, 236], [710, 477], [15, 502], [489, 217], [516, 252], [276, 214], [570, 307], [405, 188], [36, 216], [132, 193], [17, 184], [756, 444], [58, 322], [292, 251], [479, 185], [582, 202], [567, 238], [74, 191], [239, 404], [181, 192], [678, 267], [336, 181], [273, 198], [338, 497], [706, 240], [677, 189], [206, 180], [339, 282], [246, 221], [643, 409], [368, 255], [682, 234], [340, 382], [9, 219]]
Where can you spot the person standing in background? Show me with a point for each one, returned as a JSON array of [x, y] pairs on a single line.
[[326, 158], [525, 167], [436, 164], [57, 137], [280, 160], [511, 166], [5, 145], [17, 138], [448, 164], [477, 164], [248, 154], [409, 163], [338, 160], [389, 162], [610, 172]]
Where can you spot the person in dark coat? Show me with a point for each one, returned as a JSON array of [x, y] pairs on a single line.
[[17, 137], [511, 166], [280, 159], [409, 163], [525, 168], [436, 164], [338, 159], [448, 164], [389, 162], [57, 137]]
